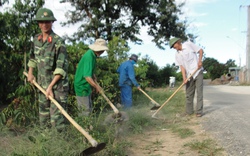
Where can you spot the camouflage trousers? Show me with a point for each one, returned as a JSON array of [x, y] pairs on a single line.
[[49, 114]]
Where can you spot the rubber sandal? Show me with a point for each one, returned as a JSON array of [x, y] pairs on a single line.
[[198, 115]]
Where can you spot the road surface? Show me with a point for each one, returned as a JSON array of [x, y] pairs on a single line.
[[227, 117]]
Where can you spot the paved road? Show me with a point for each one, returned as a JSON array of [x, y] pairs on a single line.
[[227, 117]]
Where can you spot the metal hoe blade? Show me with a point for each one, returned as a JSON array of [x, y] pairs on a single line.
[[155, 107], [92, 150]]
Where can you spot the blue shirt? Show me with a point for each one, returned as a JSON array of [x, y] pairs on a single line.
[[127, 74]]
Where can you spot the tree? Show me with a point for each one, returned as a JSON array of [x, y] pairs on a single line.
[[208, 63], [230, 63], [166, 72], [153, 74], [17, 27], [216, 69], [156, 76], [3, 1], [108, 18]]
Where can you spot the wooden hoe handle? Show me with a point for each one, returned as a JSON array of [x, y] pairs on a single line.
[[107, 99], [93, 142], [149, 97], [173, 94], [110, 103]]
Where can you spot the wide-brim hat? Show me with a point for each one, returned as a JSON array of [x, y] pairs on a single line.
[[134, 57], [99, 45]]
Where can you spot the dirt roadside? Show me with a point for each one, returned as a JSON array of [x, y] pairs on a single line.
[[162, 142]]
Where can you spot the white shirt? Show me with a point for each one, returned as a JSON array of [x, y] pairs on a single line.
[[187, 57]]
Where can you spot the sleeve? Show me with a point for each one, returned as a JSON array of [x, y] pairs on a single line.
[[32, 62], [62, 59], [131, 75], [194, 47], [178, 62]]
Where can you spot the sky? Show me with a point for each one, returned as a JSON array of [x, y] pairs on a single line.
[[221, 27]]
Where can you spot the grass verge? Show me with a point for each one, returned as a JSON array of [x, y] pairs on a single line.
[[47, 142], [206, 147]]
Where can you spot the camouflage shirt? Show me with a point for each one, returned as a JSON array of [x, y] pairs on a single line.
[[50, 58]]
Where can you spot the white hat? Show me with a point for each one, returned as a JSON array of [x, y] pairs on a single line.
[[99, 45]]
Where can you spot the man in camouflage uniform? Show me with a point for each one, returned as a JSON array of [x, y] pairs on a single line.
[[49, 56]]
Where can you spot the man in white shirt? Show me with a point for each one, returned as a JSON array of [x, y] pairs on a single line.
[[186, 57]]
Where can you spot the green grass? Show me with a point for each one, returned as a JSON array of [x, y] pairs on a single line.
[[35, 141], [179, 126], [205, 148], [182, 132]]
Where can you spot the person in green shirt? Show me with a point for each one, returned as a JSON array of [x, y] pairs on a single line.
[[85, 79]]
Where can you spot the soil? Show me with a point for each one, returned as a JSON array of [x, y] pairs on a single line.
[[163, 142]]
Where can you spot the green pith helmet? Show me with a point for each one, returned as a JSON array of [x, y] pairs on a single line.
[[172, 41], [44, 14]]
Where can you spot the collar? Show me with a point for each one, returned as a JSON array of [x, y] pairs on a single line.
[[93, 53], [183, 48], [49, 38]]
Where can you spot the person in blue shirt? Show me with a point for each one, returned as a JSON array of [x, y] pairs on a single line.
[[127, 80]]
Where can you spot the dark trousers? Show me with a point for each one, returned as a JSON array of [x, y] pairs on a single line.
[[191, 86]]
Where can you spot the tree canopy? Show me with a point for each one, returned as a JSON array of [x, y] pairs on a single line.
[[125, 18], [215, 69], [17, 29]]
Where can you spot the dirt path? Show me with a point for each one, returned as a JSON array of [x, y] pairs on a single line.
[[162, 142]]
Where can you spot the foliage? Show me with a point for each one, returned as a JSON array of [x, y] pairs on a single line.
[[107, 69], [99, 18], [3, 1], [208, 62], [166, 72], [179, 76], [158, 76], [206, 76], [17, 27], [22, 111], [9, 63], [152, 74], [215, 69], [230, 63]]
